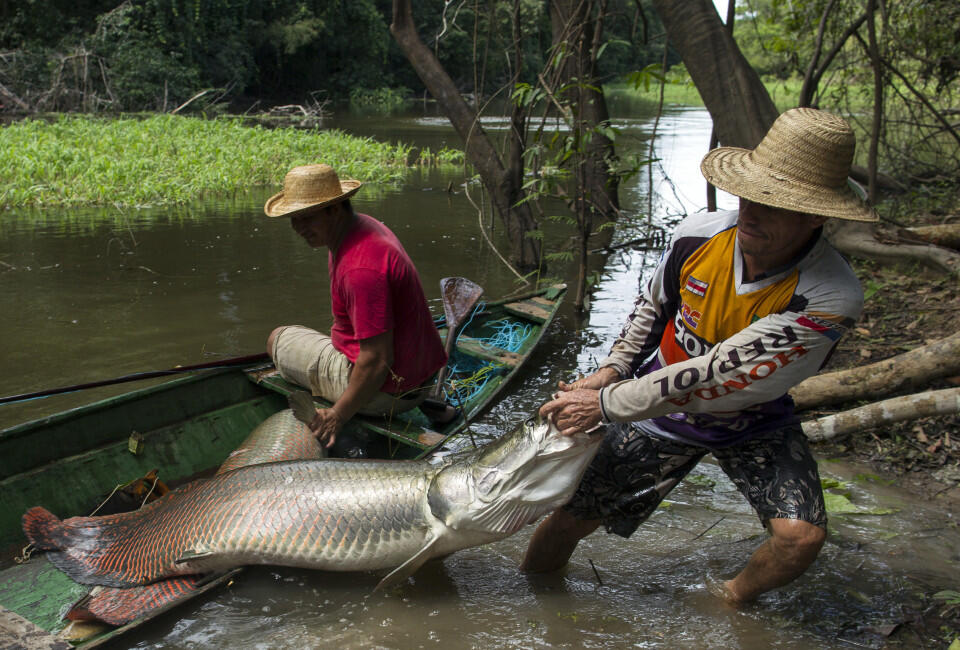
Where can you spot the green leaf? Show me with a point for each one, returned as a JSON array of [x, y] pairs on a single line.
[[700, 480], [950, 596], [832, 483], [838, 504]]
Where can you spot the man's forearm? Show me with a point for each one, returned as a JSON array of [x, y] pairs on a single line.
[[366, 378]]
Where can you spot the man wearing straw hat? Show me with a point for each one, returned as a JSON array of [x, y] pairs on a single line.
[[383, 347], [742, 306]]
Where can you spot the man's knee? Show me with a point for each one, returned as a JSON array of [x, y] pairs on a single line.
[[554, 541], [272, 338], [563, 523], [799, 541]]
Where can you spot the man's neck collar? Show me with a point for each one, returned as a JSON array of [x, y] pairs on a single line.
[[345, 223]]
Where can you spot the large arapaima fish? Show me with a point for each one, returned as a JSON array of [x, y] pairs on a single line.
[[333, 515]]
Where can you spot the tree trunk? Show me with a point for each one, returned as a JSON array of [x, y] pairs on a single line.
[[501, 182], [897, 409], [575, 29], [714, 140], [910, 370], [877, 122], [741, 108], [742, 113]]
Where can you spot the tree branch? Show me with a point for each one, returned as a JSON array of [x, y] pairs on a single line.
[[805, 94], [897, 409], [910, 370]]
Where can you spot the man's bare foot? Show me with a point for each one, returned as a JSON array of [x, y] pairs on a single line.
[[721, 589]]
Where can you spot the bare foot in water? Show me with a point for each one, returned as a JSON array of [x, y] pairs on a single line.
[[721, 589]]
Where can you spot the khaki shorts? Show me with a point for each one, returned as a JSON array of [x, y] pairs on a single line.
[[307, 358]]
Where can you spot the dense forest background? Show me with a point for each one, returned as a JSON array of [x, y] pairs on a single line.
[[155, 54]]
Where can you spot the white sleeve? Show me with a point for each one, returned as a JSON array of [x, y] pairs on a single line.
[[759, 363]]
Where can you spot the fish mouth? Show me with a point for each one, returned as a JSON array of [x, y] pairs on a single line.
[[557, 444]]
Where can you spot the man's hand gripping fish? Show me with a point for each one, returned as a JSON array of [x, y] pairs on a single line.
[[332, 515]]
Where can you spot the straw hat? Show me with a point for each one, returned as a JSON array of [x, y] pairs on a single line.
[[307, 188], [801, 164]]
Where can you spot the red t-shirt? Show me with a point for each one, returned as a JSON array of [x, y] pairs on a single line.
[[374, 287]]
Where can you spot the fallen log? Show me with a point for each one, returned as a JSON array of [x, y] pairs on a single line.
[[946, 234], [855, 239], [908, 371], [895, 409]]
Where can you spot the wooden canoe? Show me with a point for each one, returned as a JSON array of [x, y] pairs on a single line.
[[72, 461]]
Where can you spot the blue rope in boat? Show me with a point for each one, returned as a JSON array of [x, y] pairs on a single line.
[[476, 310], [461, 392], [468, 378], [508, 335]]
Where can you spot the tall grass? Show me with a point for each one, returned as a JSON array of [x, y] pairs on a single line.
[[164, 159]]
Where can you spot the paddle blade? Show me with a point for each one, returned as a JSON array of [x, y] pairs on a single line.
[[459, 297], [302, 405]]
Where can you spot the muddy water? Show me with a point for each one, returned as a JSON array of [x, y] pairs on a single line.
[[96, 294]]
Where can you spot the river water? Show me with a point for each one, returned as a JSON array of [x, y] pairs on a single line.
[[90, 294]]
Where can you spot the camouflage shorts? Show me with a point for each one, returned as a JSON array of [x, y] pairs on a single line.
[[633, 472]]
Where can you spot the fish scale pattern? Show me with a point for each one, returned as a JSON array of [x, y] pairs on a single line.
[[280, 437], [330, 514]]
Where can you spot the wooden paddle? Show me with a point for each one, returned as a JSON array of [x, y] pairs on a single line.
[[223, 363], [459, 296]]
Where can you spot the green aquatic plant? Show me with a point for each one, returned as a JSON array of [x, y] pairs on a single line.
[[836, 497], [426, 157], [168, 159]]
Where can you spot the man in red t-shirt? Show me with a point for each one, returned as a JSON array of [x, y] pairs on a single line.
[[383, 349]]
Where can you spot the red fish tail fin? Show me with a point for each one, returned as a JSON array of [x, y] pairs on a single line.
[[44, 529], [91, 550], [121, 606]]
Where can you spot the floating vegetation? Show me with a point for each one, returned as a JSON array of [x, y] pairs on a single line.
[[168, 159], [426, 157]]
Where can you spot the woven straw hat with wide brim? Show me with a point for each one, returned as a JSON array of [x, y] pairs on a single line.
[[801, 164], [307, 188]]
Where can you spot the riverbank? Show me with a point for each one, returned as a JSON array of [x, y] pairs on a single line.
[[168, 159], [907, 307], [680, 91]]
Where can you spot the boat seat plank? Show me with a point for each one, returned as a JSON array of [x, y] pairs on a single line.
[[529, 309], [475, 348]]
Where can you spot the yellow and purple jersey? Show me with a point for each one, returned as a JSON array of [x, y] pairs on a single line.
[[707, 358]]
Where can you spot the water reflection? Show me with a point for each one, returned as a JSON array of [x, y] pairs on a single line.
[[93, 294]]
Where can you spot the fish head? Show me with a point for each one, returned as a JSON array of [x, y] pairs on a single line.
[[513, 480]]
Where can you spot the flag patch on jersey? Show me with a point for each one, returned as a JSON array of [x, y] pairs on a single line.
[[821, 327], [697, 287]]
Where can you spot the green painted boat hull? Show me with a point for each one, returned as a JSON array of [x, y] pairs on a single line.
[[71, 462]]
